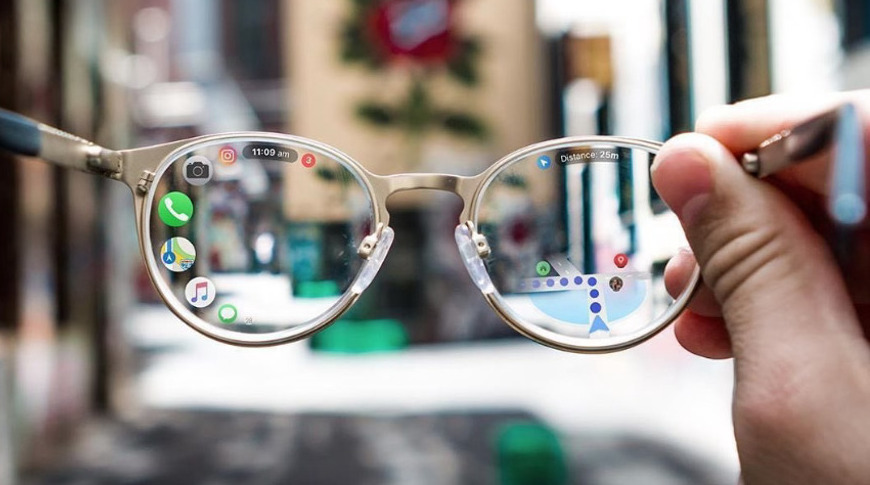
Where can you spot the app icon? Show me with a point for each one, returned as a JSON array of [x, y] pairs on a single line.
[[308, 160], [199, 292], [228, 313], [197, 170], [178, 254], [175, 209], [616, 283], [620, 260], [544, 162], [227, 155], [542, 268]]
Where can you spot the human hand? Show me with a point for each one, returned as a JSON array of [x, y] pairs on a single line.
[[773, 296]]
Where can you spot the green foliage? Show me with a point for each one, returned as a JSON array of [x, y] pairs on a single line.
[[325, 174], [463, 66], [376, 113], [355, 45], [463, 124], [514, 180], [352, 47], [417, 112], [341, 176], [418, 109]]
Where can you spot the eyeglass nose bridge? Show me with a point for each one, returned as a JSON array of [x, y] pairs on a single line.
[[385, 186]]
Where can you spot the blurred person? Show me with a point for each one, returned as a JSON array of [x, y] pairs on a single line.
[[774, 297]]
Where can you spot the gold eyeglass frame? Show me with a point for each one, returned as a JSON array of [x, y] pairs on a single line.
[[139, 168]]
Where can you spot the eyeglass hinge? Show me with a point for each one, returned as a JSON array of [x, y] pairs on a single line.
[[145, 180], [480, 242], [370, 242]]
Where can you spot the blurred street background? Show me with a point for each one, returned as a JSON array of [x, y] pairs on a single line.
[[101, 384]]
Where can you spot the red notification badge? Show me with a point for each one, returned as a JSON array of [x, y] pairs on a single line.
[[308, 160]]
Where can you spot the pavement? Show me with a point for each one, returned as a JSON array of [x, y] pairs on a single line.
[[218, 447], [210, 413]]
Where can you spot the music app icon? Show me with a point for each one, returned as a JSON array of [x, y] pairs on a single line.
[[199, 292]]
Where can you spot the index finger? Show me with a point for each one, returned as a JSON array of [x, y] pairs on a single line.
[[741, 127]]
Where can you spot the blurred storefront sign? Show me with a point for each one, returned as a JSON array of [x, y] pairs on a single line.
[[168, 105]]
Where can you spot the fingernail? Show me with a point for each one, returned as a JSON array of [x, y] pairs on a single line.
[[681, 174]]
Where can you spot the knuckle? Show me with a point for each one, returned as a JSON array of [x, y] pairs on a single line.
[[741, 254]]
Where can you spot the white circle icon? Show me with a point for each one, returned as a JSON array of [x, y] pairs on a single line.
[[197, 170], [199, 292]]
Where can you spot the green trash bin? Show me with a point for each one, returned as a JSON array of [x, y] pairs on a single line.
[[530, 453], [361, 336], [316, 289]]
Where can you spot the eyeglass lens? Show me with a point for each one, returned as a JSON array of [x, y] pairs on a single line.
[[579, 240], [256, 235]]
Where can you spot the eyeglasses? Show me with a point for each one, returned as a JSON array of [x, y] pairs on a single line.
[[259, 239]]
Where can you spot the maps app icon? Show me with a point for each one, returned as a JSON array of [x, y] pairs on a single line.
[[178, 254]]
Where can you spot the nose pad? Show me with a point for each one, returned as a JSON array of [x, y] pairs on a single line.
[[374, 260], [468, 249]]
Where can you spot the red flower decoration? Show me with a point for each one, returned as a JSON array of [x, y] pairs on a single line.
[[418, 30], [386, 34]]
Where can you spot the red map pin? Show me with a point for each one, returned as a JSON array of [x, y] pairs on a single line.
[[620, 260]]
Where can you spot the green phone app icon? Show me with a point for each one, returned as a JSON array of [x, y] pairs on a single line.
[[175, 209]]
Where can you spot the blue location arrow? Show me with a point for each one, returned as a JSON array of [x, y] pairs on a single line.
[[598, 324]]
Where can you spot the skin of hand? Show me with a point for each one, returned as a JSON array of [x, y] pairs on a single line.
[[774, 297]]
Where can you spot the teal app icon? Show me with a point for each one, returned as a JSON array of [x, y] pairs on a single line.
[[175, 209]]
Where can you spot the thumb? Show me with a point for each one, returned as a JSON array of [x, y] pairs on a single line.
[[781, 293]]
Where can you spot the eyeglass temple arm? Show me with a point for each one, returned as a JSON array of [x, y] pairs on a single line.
[[23, 136], [839, 130], [792, 146]]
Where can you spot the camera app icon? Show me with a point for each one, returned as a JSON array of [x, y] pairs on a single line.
[[197, 170]]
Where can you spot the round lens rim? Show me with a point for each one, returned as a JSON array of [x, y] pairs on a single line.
[[211, 330], [548, 337]]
